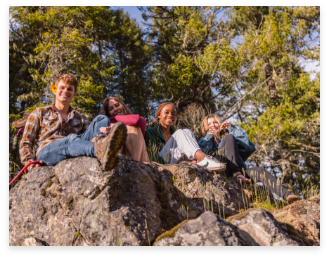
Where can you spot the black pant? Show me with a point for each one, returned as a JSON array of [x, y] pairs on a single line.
[[229, 152]]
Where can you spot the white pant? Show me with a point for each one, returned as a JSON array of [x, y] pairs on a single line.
[[181, 142]]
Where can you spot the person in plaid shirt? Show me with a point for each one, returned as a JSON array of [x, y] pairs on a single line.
[[59, 132]]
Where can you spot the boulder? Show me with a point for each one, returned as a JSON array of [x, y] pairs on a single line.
[[207, 230], [301, 220], [258, 227], [77, 203]]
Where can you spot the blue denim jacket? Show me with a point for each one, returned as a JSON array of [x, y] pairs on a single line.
[[246, 147]]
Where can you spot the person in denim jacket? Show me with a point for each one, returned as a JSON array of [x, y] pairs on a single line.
[[231, 144]]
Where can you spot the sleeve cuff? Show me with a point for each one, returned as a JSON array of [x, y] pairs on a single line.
[[208, 137]]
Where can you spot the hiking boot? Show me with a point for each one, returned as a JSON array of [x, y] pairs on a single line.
[[212, 164], [21, 122], [107, 147], [291, 198]]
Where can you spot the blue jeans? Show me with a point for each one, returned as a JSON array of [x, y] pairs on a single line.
[[73, 145]]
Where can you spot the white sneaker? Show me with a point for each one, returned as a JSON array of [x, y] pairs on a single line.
[[211, 164]]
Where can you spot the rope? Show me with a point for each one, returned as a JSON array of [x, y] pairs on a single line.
[[24, 169]]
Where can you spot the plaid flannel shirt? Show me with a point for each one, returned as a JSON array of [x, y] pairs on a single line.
[[44, 125]]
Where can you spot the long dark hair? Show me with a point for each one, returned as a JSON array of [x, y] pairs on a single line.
[[105, 107]]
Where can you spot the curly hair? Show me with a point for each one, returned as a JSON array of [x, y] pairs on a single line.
[[105, 107]]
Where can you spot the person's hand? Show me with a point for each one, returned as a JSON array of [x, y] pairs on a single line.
[[34, 166], [105, 129], [214, 133], [224, 126]]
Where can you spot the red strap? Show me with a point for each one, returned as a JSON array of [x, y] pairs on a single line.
[[21, 130], [24, 169]]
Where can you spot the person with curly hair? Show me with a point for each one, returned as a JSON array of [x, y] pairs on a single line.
[[173, 145]]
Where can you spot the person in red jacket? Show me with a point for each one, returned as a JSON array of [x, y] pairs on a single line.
[[114, 108]]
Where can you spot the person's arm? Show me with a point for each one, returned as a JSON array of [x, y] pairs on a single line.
[[30, 132], [142, 124]]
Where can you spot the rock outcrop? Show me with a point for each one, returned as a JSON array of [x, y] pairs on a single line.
[[301, 220], [76, 203], [207, 230], [258, 227]]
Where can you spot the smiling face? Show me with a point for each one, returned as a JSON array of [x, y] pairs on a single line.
[[168, 115], [213, 125], [115, 108], [65, 92]]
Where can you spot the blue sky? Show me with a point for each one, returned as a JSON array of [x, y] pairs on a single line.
[[133, 11]]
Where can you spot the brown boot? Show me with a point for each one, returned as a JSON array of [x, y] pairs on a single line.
[[292, 198], [21, 122], [107, 147]]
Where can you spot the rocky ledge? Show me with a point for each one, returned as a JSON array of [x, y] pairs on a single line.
[[76, 203]]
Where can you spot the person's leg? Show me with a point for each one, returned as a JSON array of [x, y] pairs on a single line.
[[259, 174], [229, 152], [135, 144], [181, 142], [68, 147], [93, 129]]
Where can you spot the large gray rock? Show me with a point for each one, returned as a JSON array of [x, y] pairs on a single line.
[[301, 220], [258, 227], [207, 230], [76, 203]]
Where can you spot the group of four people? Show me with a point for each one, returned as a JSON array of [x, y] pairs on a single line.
[[59, 132]]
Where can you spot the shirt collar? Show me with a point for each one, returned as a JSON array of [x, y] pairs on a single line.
[[71, 110], [159, 131]]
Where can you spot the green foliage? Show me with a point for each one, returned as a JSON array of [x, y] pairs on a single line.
[[240, 62]]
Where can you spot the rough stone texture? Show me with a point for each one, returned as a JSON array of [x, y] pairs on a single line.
[[258, 227], [207, 230], [30, 241], [76, 203], [301, 219], [191, 190], [315, 199]]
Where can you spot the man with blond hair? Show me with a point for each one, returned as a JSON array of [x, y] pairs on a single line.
[[59, 132]]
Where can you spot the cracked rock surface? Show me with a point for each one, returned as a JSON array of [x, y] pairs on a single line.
[[207, 230], [77, 203]]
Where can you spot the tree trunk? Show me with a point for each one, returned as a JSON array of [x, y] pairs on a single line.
[[13, 157], [270, 82], [285, 164]]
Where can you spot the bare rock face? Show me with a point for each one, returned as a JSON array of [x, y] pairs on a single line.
[[302, 220], [77, 203], [258, 227], [207, 230]]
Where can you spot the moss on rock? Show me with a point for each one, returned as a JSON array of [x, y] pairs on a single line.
[[170, 233]]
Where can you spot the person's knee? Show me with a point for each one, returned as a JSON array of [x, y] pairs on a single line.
[[132, 129], [178, 133], [229, 138], [186, 130]]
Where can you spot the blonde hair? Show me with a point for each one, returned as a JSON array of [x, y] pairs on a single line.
[[68, 78], [204, 124], [105, 107]]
